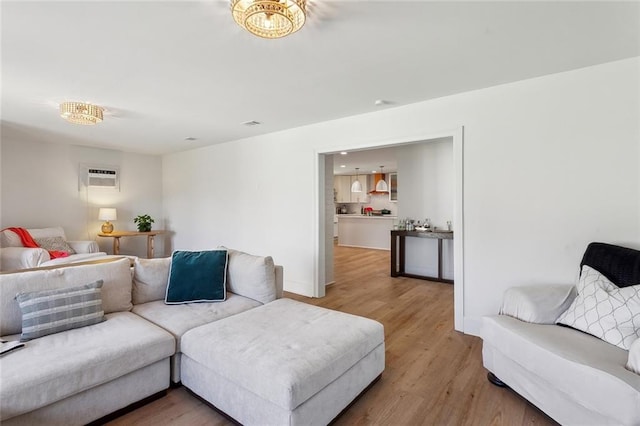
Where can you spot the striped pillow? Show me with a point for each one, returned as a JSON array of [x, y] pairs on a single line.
[[53, 311]]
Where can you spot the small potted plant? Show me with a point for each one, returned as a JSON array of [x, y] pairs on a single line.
[[143, 222]]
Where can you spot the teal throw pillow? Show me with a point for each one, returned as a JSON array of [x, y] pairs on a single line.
[[197, 276]]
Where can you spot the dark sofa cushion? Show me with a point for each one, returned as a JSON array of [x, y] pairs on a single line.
[[621, 265]]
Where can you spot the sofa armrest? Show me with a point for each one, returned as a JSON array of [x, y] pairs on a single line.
[[633, 364], [84, 246], [540, 304], [12, 258]]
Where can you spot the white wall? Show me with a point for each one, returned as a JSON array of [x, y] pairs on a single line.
[[426, 190], [550, 164], [40, 189]]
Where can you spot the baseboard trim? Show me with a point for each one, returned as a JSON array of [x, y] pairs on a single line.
[[473, 326]]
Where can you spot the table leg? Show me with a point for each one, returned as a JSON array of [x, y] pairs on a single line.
[[401, 256], [116, 245], [394, 255], [150, 246], [439, 258]]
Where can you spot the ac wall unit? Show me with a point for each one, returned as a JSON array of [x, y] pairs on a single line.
[[106, 178], [99, 176]]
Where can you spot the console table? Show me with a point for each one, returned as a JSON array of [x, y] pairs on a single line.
[[398, 247], [116, 235]]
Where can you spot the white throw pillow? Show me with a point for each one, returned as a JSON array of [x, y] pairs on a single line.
[[604, 310], [251, 276], [539, 304], [150, 279]]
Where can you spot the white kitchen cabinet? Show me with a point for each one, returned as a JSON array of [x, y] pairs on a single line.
[[342, 187], [360, 197]]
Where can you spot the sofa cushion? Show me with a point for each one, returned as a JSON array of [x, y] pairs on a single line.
[[285, 351], [197, 276], [150, 279], [633, 363], [178, 319], [604, 310], [251, 276], [541, 304], [57, 366], [586, 369], [53, 311], [116, 290], [79, 257], [47, 232], [11, 239], [55, 244]]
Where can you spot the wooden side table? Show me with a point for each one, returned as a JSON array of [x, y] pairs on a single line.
[[398, 247], [116, 235]]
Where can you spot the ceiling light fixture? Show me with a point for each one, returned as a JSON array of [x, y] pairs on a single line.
[[356, 186], [382, 185], [81, 113], [269, 18]]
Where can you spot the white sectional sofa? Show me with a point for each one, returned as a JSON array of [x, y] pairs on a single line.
[[80, 375], [14, 256], [574, 377]]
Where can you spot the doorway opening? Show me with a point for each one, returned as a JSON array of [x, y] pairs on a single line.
[[326, 212]]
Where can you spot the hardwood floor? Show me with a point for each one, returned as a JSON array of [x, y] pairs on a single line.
[[433, 375]]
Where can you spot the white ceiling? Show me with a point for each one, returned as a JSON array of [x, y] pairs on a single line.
[[368, 161], [168, 70]]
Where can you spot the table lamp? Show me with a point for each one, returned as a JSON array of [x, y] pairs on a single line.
[[107, 214]]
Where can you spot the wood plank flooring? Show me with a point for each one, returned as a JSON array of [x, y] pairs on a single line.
[[433, 375]]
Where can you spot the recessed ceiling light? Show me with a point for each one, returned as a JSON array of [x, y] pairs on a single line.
[[381, 102], [373, 171], [190, 138], [343, 165], [343, 153], [251, 123]]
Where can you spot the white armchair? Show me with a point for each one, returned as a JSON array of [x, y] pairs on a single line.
[[14, 256]]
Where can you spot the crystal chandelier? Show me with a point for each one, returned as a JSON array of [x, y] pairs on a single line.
[[81, 113], [269, 18]]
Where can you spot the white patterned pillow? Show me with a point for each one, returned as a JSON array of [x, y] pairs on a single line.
[[604, 310], [55, 244]]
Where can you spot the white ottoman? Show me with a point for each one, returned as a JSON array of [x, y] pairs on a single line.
[[283, 363]]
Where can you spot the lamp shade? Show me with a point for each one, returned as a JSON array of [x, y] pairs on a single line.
[[382, 186], [107, 214]]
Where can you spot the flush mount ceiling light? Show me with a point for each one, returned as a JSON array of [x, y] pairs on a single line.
[[356, 186], [382, 185], [269, 18], [81, 113]]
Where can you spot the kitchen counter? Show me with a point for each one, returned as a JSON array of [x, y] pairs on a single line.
[[362, 216], [356, 230]]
